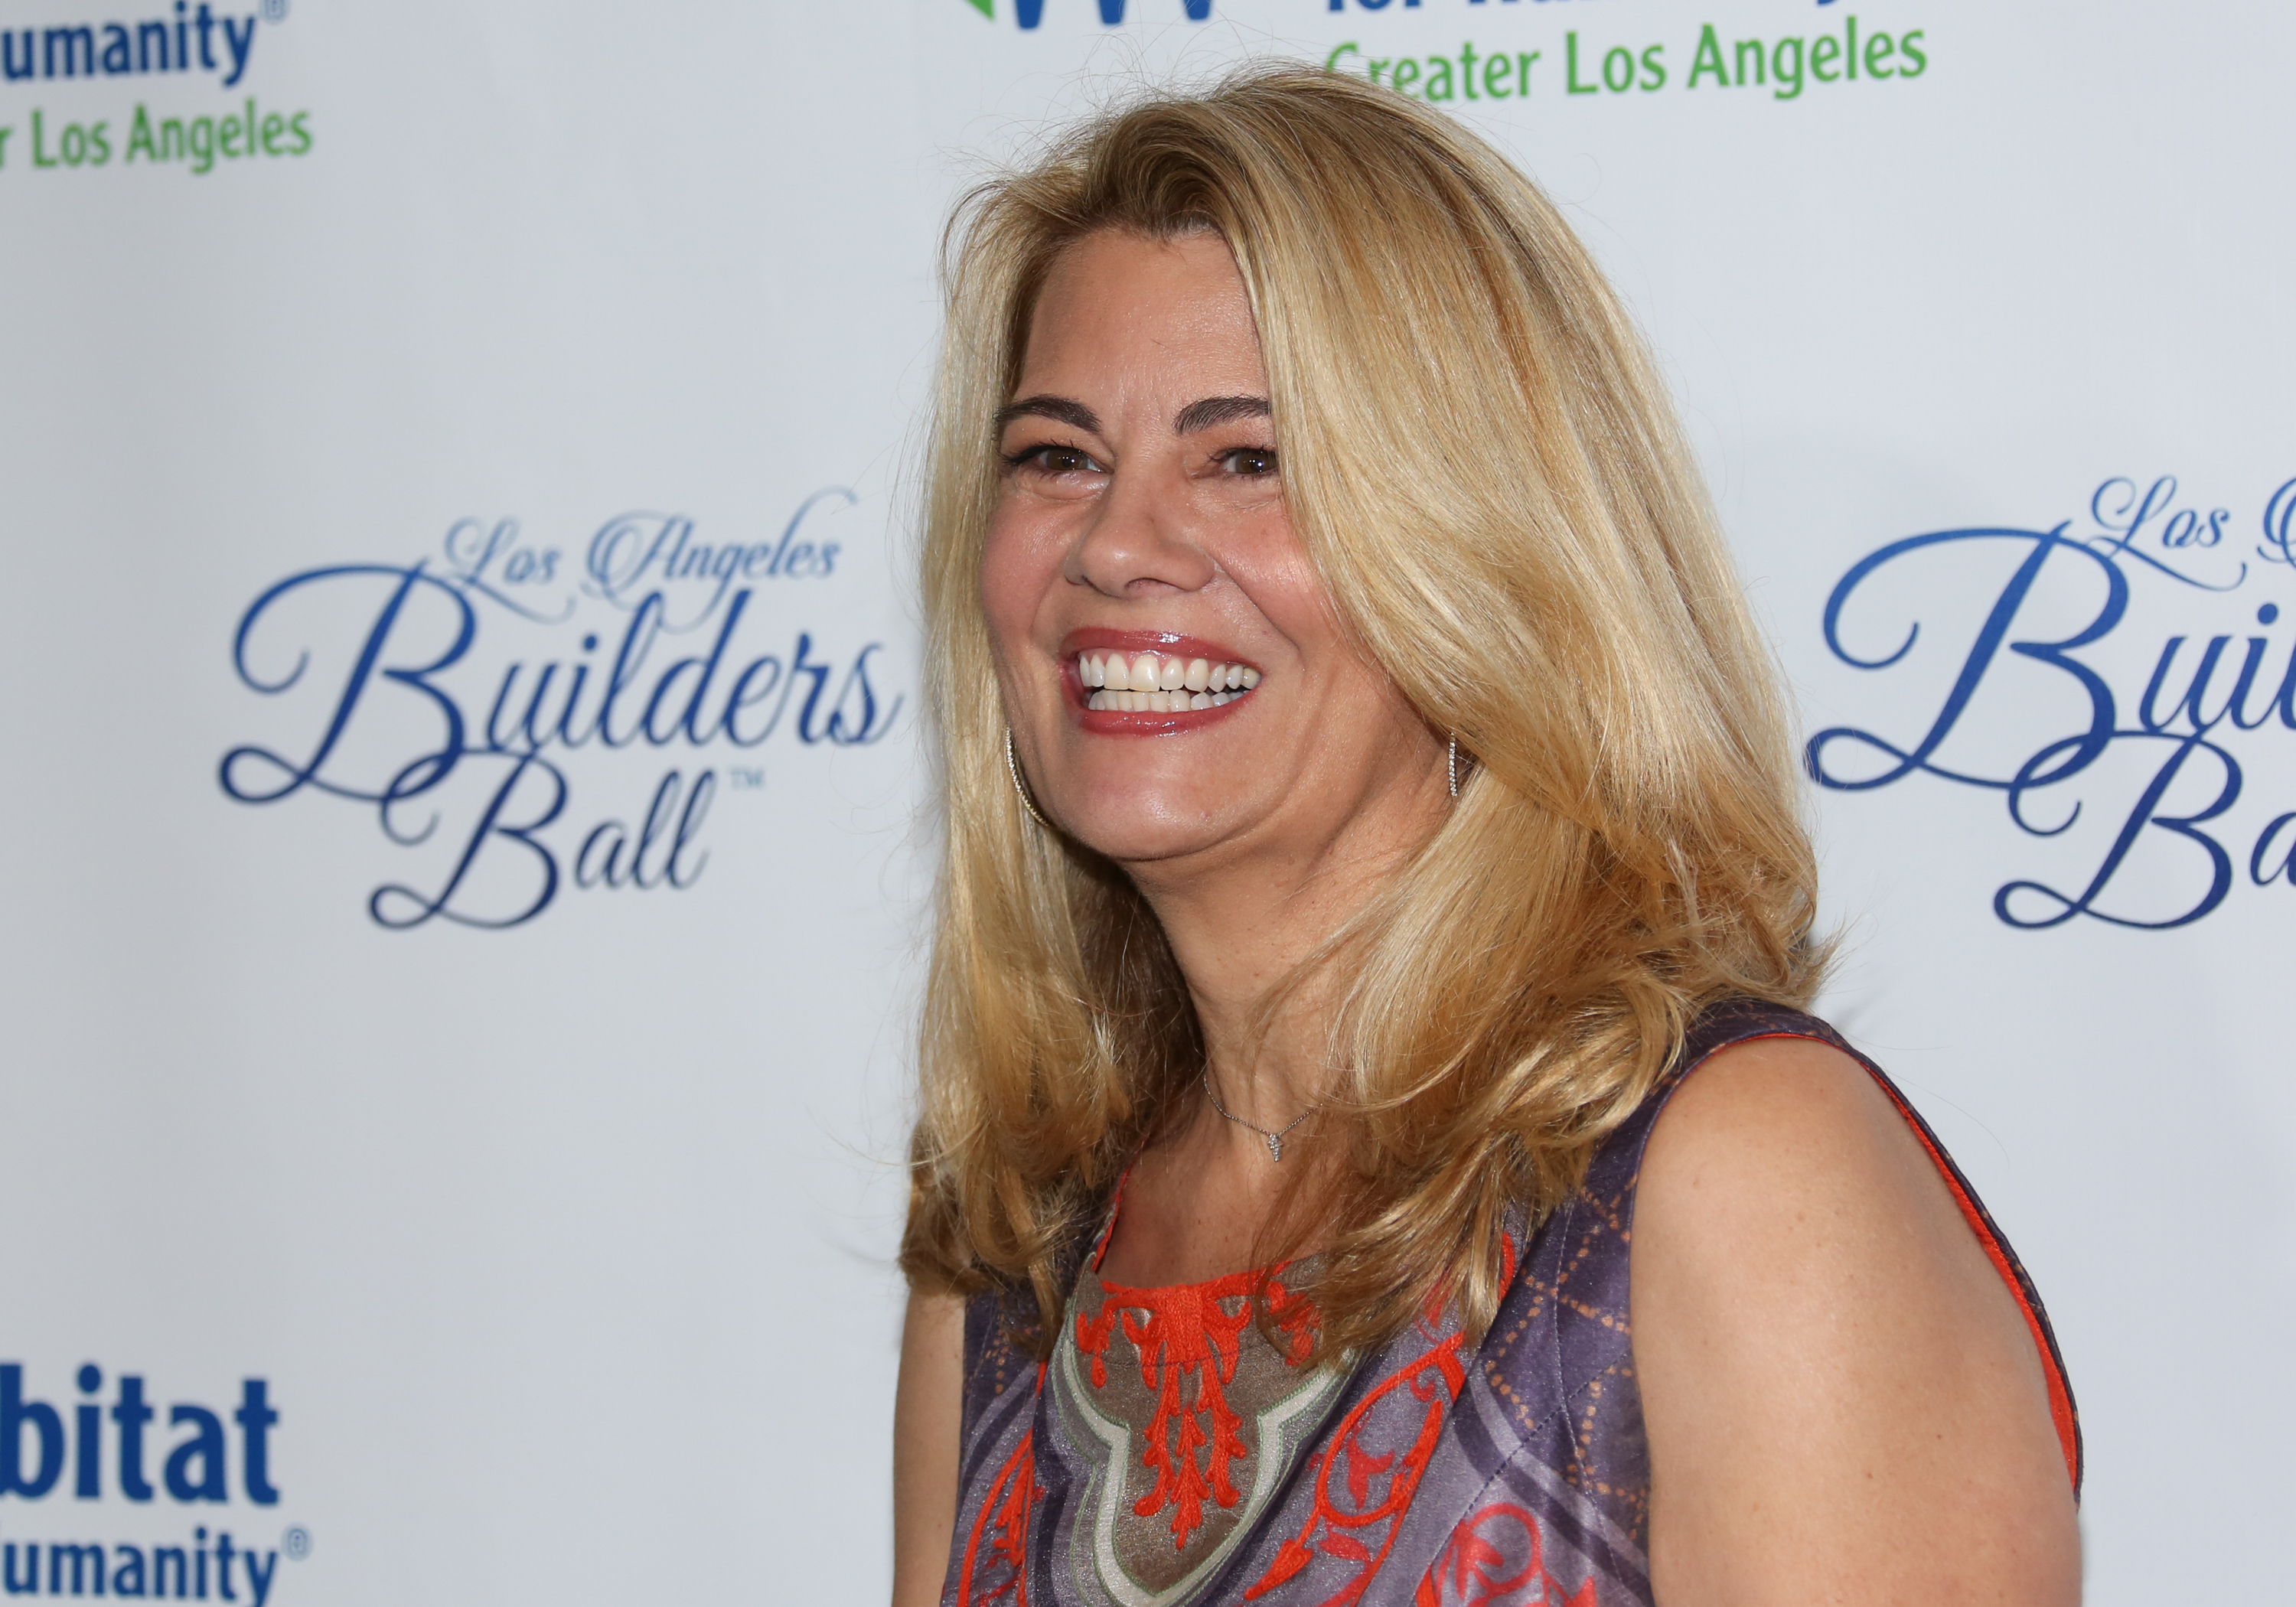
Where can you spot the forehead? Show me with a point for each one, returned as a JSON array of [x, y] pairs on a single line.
[[1117, 305]]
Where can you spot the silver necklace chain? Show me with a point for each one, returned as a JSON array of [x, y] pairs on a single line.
[[1276, 1139]]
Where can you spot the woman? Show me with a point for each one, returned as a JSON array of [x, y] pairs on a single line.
[[1367, 806]]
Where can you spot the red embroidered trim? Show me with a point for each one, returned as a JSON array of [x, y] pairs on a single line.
[[1439, 1366], [1468, 1574], [1187, 1329], [1003, 1522], [1435, 1378]]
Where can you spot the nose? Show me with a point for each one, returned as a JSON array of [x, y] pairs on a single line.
[[1140, 543]]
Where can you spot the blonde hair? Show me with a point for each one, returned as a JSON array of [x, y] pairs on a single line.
[[1481, 461]]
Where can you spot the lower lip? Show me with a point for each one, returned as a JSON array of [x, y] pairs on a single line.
[[1118, 722]]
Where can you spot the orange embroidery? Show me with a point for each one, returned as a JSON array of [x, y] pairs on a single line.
[[1470, 1571], [1435, 1378], [1004, 1523], [1187, 1329]]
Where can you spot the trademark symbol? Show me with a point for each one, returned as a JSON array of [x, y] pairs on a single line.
[[275, 11], [297, 1541], [746, 781]]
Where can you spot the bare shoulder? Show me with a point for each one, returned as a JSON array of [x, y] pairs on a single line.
[[1832, 1370], [1784, 1200], [1783, 1122]]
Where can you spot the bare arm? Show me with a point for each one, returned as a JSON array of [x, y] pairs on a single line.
[[926, 1412], [1844, 1403]]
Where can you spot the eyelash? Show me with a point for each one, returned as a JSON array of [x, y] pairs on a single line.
[[1275, 463], [1021, 458]]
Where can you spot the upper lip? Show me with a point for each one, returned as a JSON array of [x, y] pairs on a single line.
[[1094, 637]]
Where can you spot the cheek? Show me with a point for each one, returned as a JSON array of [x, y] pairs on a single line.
[[1016, 572], [1271, 565]]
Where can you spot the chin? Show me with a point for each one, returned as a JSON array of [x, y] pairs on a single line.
[[1133, 835]]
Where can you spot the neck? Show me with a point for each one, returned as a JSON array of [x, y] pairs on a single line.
[[1245, 924]]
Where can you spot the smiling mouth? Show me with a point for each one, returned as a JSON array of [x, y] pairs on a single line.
[[1157, 682]]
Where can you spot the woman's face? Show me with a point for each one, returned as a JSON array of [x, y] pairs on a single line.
[[1177, 682]]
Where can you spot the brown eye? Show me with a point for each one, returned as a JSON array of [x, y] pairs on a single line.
[[1054, 459], [1248, 460]]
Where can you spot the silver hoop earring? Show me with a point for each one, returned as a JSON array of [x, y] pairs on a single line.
[[1451, 764], [1013, 768]]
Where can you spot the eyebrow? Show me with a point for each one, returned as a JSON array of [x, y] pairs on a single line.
[[1210, 412], [1060, 409], [1217, 410]]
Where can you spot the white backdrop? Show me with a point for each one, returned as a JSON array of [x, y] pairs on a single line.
[[530, 1132]]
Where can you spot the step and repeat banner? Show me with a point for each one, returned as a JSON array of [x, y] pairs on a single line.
[[463, 910]]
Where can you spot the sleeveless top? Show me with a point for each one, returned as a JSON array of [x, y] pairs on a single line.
[[1170, 1453]]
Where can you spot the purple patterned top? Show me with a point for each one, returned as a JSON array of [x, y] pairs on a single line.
[[1168, 1454]]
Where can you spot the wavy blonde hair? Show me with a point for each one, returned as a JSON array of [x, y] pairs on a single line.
[[1482, 462]]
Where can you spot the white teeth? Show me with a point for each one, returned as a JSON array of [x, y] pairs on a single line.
[[1153, 683]]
